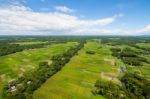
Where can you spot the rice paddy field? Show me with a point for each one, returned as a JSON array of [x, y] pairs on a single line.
[[30, 43], [14, 65], [145, 69], [144, 45], [76, 80]]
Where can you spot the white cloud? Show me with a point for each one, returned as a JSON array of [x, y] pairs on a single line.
[[143, 31], [21, 19], [64, 9], [146, 29]]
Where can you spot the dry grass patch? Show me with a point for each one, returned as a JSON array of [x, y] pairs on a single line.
[[110, 76]]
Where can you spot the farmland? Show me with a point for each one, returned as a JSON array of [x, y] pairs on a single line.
[[74, 49], [30, 43], [80, 74], [74, 67], [15, 65]]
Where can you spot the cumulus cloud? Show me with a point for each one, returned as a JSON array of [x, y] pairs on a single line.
[[21, 19], [64, 9]]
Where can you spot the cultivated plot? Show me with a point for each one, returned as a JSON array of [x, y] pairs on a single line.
[[76, 80], [14, 65]]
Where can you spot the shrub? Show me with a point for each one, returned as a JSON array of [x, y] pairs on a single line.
[[90, 52]]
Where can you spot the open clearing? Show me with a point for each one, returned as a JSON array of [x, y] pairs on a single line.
[[77, 78], [16, 64]]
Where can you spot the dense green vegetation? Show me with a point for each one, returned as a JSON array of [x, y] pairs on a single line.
[[90, 52], [109, 90], [133, 86], [65, 67], [128, 56], [6, 49], [9, 48]]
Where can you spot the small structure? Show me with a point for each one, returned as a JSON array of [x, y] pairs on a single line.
[[13, 88], [122, 69], [29, 82]]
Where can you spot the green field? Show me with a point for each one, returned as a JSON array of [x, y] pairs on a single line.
[[16, 64], [77, 78], [145, 68], [29, 43], [144, 45]]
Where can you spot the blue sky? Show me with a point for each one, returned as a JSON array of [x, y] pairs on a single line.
[[74, 17]]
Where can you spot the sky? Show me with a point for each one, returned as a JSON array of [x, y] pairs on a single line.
[[75, 17]]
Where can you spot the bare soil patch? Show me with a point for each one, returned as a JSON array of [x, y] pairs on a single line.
[[112, 61], [110, 76]]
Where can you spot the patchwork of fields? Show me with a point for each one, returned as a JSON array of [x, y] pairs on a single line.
[[16, 64], [30, 43], [76, 80], [144, 69]]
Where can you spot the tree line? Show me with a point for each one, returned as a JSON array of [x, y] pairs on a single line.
[[128, 56], [131, 41], [133, 86], [8, 48]]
